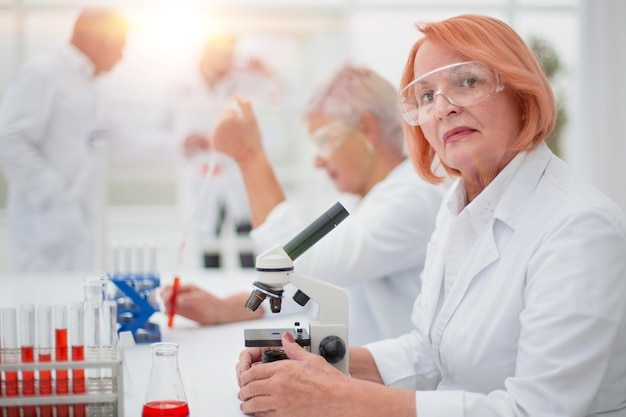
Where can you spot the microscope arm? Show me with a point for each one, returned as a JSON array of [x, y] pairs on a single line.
[[332, 300]]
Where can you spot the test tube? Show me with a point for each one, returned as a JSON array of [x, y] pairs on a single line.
[[109, 337], [10, 355], [109, 353], [77, 334], [44, 354], [115, 270], [115, 258], [94, 288], [151, 262], [61, 355], [138, 264], [27, 333], [127, 260]]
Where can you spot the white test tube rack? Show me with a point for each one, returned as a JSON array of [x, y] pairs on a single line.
[[115, 399]]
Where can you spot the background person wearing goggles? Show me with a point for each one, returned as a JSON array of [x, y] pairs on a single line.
[[522, 307], [377, 253]]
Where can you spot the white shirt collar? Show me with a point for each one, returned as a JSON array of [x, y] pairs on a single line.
[[483, 207]]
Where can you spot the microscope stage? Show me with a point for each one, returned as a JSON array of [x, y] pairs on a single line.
[[271, 337]]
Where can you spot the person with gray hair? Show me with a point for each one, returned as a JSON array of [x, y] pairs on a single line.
[[50, 122], [378, 252]]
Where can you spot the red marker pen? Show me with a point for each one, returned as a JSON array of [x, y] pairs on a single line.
[[170, 318]]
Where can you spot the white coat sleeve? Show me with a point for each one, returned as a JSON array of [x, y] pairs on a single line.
[[24, 115], [406, 362]]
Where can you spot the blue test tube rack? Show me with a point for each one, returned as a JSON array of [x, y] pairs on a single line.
[[136, 293]]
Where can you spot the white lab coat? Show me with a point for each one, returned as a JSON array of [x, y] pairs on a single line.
[[49, 128], [376, 253], [535, 323]]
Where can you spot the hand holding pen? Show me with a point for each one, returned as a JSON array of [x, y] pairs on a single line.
[[199, 305]]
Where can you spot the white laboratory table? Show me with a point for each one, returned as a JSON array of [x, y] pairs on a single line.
[[207, 355]]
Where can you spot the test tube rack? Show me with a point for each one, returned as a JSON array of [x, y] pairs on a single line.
[[110, 404], [136, 303]]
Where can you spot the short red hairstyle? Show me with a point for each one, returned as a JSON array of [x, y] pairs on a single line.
[[495, 44]]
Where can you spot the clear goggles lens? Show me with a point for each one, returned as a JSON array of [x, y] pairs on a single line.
[[329, 137], [461, 84]]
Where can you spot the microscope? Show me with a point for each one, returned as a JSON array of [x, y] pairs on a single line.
[[327, 337]]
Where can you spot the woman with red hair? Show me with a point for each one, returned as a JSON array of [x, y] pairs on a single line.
[[522, 307]]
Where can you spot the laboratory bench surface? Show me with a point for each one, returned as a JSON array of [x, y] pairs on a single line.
[[207, 355]]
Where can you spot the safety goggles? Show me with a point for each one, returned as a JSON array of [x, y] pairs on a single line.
[[329, 137], [461, 84]]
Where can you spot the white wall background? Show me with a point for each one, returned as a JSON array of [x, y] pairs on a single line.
[[599, 142]]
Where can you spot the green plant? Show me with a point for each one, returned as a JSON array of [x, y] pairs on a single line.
[[553, 67]]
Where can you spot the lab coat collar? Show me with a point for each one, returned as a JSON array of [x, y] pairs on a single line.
[[76, 59], [509, 196], [484, 207], [516, 197]]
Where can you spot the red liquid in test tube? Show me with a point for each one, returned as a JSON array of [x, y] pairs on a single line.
[[11, 390], [45, 383], [27, 333], [10, 355], [28, 381], [60, 338], [77, 334], [44, 355]]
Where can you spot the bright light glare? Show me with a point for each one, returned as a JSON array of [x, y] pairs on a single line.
[[171, 29]]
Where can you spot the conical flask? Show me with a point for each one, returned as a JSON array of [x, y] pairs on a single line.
[[166, 395]]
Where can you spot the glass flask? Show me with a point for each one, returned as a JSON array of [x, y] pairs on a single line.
[[166, 395]]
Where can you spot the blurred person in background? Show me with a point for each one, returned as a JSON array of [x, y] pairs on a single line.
[[51, 121], [193, 106], [377, 253]]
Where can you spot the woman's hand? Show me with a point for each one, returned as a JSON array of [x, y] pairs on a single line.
[[304, 385], [207, 309]]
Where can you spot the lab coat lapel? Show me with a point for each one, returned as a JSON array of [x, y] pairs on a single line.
[[486, 252], [430, 296]]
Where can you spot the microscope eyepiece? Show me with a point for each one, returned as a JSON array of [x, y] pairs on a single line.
[[315, 231]]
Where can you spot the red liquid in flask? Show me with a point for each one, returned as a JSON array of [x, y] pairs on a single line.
[[165, 409]]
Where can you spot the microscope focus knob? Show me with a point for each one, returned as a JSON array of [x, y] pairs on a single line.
[[301, 298], [333, 349]]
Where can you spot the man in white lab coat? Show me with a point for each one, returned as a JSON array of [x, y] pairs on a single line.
[[51, 125]]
